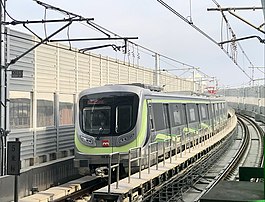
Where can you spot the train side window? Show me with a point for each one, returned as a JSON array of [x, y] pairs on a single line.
[[151, 117], [224, 109], [176, 112], [221, 108], [216, 110], [212, 110], [193, 116], [158, 116], [203, 112], [166, 115]]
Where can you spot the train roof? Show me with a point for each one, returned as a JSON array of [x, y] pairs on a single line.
[[140, 90]]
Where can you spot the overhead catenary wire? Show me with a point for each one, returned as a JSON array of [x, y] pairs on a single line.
[[203, 33], [176, 67], [182, 69], [4, 8], [229, 28], [72, 50], [100, 28], [96, 56], [97, 27], [187, 21]]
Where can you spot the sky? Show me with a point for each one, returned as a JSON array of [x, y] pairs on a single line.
[[161, 31]]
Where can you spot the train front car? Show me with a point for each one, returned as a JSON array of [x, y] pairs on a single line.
[[107, 123]]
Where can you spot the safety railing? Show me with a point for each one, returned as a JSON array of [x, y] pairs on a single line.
[[114, 166], [150, 153], [203, 135], [177, 145], [200, 137], [181, 143], [165, 148], [138, 152], [189, 139], [193, 139]]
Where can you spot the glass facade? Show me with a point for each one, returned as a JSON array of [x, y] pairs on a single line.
[[20, 110], [45, 109], [66, 109]]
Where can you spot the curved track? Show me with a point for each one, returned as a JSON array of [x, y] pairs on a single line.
[[247, 144]]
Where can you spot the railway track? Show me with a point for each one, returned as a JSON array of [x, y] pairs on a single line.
[[247, 142], [84, 194]]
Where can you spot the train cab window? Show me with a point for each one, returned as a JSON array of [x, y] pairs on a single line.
[[111, 113], [96, 120], [123, 118]]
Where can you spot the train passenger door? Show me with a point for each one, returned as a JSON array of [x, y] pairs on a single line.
[[166, 119]]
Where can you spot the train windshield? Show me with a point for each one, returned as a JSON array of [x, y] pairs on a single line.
[[108, 113], [96, 120]]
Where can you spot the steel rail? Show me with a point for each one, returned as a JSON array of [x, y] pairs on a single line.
[[191, 173], [88, 189], [233, 164], [261, 134], [240, 154]]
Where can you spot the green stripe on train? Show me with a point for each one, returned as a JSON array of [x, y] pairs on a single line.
[[204, 126], [184, 101], [125, 148], [162, 137], [190, 130]]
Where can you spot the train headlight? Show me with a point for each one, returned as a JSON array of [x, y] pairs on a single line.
[[125, 138], [87, 140]]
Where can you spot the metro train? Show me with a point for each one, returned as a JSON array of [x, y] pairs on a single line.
[[116, 118]]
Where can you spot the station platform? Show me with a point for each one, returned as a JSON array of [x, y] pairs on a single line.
[[239, 191]]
